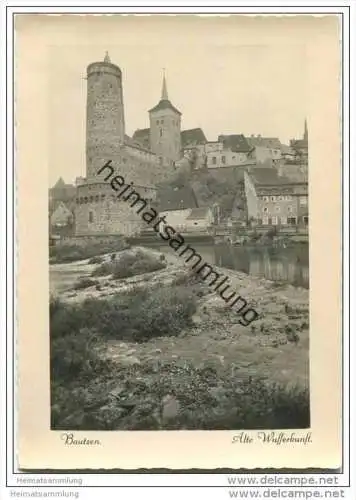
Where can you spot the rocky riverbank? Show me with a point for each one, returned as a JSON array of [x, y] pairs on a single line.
[[205, 373]]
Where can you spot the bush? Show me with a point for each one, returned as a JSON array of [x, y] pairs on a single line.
[[70, 252], [128, 317], [104, 269], [165, 312], [74, 356], [84, 283], [129, 265], [95, 260]]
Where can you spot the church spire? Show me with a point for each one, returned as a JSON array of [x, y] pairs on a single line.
[[305, 130], [164, 95], [107, 58]]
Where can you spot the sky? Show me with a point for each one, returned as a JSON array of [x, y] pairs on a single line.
[[227, 76]]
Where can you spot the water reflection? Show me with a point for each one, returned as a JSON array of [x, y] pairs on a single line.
[[278, 264], [289, 264]]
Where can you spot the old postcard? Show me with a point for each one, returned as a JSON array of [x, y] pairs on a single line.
[[179, 235]]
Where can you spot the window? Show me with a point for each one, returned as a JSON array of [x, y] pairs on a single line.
[[278, 209], [85, 199], [265, 209], [157, 122], [273, 198], [160, 132], [162, 121], [213, 159], [91, 216], [290, 209], [234, 157], [265, 221], [292, 221], [91, 199], [223, 159], [303, 200], [284, 220], [97, 198], [265, 198], [306, 219], [288, 198], [275, 220], [280, 198]]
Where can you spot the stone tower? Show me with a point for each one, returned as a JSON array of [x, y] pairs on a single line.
[[105, 126], [165, 128]]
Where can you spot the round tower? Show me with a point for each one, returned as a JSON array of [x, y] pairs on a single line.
[[105, 130]]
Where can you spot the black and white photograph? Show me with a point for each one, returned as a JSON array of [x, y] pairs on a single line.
[[178, 231]]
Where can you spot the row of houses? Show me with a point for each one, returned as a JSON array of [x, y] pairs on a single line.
[[274, 196], [236, 150]]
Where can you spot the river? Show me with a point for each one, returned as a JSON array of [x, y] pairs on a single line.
[[289, 265]]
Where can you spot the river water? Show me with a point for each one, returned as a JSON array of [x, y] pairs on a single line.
[[289, 265]]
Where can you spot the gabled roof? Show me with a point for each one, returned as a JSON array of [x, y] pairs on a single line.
[[192, 136], [198, 213], [56, 205], [235, 142], [266, 142], [164, 104], [60, 184], [267, 180], [176, 199]]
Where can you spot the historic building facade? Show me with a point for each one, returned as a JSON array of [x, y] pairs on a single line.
[[274, 199], [97, 209]]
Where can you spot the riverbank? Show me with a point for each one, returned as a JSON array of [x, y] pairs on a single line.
[[189, 353]]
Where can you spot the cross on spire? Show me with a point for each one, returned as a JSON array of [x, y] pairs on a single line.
[[107, 58]]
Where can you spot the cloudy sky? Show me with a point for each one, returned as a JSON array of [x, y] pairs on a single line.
[[226, 75]]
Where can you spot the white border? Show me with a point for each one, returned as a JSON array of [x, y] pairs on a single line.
[[174, 479]]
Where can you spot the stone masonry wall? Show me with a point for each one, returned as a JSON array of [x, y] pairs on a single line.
[[99, 211]]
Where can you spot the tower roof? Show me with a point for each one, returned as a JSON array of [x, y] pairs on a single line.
[[164, 95], [164, 103]]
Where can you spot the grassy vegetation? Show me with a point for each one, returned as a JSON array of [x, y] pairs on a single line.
[[71, 252], [90, 393], [138, 317], [84, 283], [131, 399], [129, 265]]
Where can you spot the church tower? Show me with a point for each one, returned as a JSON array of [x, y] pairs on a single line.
[[165, 127], [105, 125]]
